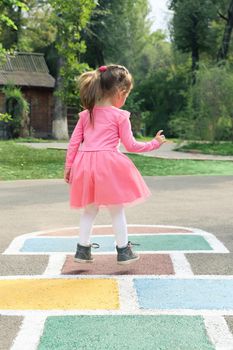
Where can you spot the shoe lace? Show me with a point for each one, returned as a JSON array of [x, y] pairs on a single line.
[[95, 245], [130, 244]]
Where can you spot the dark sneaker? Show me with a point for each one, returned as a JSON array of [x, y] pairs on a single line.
[[83, 254], [126, 255]]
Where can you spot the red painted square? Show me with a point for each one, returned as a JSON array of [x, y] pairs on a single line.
[[103, 230], [148, 264]]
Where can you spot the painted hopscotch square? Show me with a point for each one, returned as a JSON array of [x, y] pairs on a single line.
[[138, 332], [153, 243], [148, 264], [107, 230], [59, 294], [180, 294]]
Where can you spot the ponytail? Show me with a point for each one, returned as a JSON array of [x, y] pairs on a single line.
[[103, 82], [90, 90]]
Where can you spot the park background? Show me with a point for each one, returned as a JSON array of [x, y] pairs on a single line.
[[183, 75]]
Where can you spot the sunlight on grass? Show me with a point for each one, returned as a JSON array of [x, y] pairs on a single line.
[[22, 162]]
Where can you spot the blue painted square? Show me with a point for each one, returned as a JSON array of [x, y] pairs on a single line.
[[60, 244], [196, 294]]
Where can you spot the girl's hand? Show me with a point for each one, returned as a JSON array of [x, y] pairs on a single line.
[[159, 137], [67, 175]]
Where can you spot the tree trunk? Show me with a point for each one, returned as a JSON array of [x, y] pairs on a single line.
[[99, 55], [10, 35], [223, 51], [195, 49], [195, 62], [60, 126]]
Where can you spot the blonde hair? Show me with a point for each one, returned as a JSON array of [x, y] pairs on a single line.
[[103, 82]]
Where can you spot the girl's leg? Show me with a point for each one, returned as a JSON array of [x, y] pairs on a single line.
[[86, 222], [119, 225]]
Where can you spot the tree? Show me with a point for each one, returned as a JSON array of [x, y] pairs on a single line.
[[224, 48], [208, 113], [54, 27], [10, 22], [70, 18], [38, 32], [95, 35], [117, 33], [191, 27]]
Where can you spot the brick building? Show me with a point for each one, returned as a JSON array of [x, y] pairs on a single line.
[[29, 72]]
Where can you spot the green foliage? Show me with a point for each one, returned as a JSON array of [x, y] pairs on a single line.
[[117, 33], [138, 116], [17, 109], [10, 22], [70, 18], [209, 111], [163, 93], [38, 31], [191, 23], [5, 117]]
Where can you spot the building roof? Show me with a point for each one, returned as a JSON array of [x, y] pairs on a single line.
[[26, 69]]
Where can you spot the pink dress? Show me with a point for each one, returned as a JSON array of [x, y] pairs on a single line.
[[100, 173]]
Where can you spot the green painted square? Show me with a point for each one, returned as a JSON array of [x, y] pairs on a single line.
[[171, 242], [134, 332]]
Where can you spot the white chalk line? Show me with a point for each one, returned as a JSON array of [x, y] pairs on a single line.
[[55, 264], [181, 265], [218, 332], [97, 312], [119, 277], [30, 332], [127, 295]]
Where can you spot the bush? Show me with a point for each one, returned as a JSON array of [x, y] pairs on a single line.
[[17, 107], [163, 95], [209, 111]]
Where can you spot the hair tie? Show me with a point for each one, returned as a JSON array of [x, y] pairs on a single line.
[[103, 68]]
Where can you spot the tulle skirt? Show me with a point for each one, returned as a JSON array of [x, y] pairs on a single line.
[[105, 178]]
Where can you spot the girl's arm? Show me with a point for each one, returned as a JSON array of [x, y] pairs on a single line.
[[75, 140], [131, 145]]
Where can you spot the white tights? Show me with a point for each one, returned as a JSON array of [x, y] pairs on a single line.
[[118, 223]]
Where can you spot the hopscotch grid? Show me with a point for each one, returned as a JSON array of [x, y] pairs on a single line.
[[215, 244], [125, 282]]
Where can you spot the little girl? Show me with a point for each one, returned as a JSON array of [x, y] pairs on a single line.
[[98, 173]]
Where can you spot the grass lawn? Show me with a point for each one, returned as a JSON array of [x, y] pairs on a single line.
[[220, 148], [22, 162], [35, 140]]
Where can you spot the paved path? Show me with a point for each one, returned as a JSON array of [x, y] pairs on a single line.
[[166, 151], [183, 283]]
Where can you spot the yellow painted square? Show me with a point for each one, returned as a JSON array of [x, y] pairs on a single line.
[[56, 294]]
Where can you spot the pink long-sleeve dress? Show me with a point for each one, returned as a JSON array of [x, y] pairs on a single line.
[[100, 173]]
